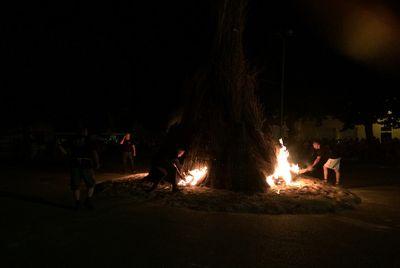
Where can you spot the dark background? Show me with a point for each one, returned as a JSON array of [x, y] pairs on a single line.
[[113, 63]]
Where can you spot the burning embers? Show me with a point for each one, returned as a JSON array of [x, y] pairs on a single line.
[[283, 170], [194, 177]]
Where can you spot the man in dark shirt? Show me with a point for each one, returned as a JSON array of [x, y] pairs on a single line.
[[83, 160], [323, 158], [128, 152], [318, 156], [166, 167]]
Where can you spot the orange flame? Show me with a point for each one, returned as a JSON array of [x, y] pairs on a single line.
[[283, 169], [194, 177]]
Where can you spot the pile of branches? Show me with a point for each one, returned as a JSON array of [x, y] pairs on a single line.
[[223, 116]]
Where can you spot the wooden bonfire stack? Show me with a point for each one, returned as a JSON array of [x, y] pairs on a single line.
[[223, 116]]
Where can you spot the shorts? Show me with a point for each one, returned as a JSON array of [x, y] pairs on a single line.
[[82, 174], [333, 164]]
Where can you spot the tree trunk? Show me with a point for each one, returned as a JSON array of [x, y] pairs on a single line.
[[223, 116]]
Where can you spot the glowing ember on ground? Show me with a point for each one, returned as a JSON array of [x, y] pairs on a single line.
[[194, 177], [283, 170]]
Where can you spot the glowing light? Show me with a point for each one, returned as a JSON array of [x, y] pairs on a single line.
[[195, 177], [283, 169]]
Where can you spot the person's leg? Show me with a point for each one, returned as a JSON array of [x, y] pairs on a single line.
[[171, 178], [337, 173], [174, 182], [326, 174], [75, 181], [125, 161], [131, 163], [88, 177], [330, 164], [158, 174], [337, 170], [90, 192], [175, 187], [89, 199], [76, 195], [156, 181]]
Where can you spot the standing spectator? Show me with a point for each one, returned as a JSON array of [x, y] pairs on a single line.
[[128, 152], [83, 159]]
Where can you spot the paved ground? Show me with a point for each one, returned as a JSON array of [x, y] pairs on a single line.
[[38, 228]]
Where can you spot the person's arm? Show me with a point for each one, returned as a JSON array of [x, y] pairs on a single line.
[[123, 140], [133, 149], [179, 171], [316, 161], [96, 159], [62, 149]]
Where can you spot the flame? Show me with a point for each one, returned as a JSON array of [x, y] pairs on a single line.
[[283, 169], [194, 177]]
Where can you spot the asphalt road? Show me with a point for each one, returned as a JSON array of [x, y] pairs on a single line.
[[39, 229]]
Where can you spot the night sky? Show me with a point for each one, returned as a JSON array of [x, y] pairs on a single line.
[[67, 60]]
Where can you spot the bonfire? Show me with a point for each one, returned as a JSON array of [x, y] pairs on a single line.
[[194, 177], [283, 170], [282, 176], [288, 193]]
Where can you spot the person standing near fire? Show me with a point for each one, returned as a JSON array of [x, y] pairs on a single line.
[[323, 159], [128, 152]]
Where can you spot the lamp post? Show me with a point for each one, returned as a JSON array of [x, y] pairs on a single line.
[[283, 82], [283, 36]]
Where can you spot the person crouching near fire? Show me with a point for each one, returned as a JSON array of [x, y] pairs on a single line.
[[83, 160], [323, 158], [166, 167]]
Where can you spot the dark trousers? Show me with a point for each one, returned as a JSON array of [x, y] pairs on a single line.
[[127, 160], [79, 174], [158, 174]]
